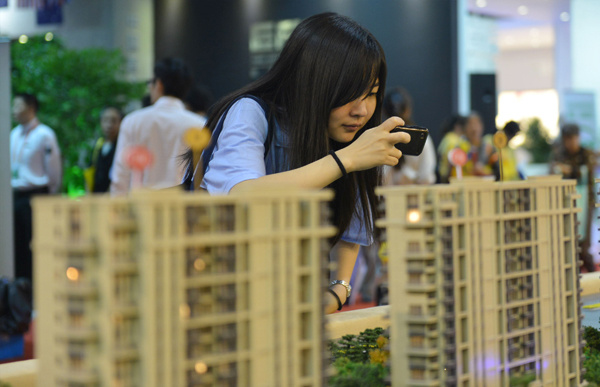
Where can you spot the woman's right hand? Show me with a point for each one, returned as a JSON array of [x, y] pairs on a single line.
[[375, 147]]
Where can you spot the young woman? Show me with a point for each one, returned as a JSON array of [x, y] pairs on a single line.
[[320, 127]]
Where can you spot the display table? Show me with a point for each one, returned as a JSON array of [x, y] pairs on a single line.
[[355, 321], [24, 373], [20, 373]]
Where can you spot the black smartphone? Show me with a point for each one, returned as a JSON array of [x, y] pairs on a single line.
[[418, 136]]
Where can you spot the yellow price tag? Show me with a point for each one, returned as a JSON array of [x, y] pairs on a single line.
[[500, 139], [197, 138]]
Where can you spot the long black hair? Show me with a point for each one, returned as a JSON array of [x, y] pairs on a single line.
[[328, 61]]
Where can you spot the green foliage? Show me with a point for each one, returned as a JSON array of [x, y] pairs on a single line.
[[592, 338], [537, 141], [354, 366], [522, 380], [72, 86], [353, 374], [591, 351], [356, 348], [591, 363]]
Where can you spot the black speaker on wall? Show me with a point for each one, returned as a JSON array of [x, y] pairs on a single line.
[[483, 99]]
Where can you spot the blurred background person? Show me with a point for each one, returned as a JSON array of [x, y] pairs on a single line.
[[476, 165], [35, 163], [470, 141], [410, 169], [510, 170], [97, 176], [160, 128], [573, 161], [452, 133]]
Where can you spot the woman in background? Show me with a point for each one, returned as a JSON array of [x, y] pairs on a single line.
[[411, 169]]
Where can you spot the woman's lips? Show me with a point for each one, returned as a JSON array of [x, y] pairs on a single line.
[[352, 128]]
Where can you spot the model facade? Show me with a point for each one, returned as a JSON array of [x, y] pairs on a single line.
[[178, 289], [484, 283]]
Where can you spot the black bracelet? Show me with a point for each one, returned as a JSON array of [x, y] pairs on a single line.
[[339, 163], [336, 297]]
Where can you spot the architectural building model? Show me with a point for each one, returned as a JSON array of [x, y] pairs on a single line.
[[484, 283], [178, 289]]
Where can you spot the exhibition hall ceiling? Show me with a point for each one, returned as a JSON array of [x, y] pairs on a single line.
[[541, 11]]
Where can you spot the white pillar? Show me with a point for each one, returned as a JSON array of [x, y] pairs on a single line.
[[562, 59], [585, 51], [133, 33], [464, 92], [6, 214]]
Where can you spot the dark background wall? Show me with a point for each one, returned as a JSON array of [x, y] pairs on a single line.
[[418, 36]]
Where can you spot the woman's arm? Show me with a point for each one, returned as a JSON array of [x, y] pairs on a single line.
[[344, 254], [375, 147]]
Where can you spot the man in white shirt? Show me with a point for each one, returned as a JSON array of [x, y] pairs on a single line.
[[35, 164], [159, 128]]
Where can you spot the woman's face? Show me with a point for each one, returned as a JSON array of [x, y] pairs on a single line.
[[345, 121]]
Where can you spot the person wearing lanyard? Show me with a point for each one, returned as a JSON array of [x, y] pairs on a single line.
[[35, 164]]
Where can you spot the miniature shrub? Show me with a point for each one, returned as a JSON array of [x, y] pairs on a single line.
[[355, 374], [592, 338], [591, 365], [360, 359], [522, 380], [356, 348]]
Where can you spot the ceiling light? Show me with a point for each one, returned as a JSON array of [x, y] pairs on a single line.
[[523, 10], [481, 3], [564, 16]]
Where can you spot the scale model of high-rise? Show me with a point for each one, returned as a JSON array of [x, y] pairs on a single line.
[[484, 283], [177, 289]]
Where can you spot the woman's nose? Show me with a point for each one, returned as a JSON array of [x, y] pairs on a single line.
[[359, 108]]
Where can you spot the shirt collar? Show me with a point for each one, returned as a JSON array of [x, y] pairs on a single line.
[[169, 101], [28, 127]]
